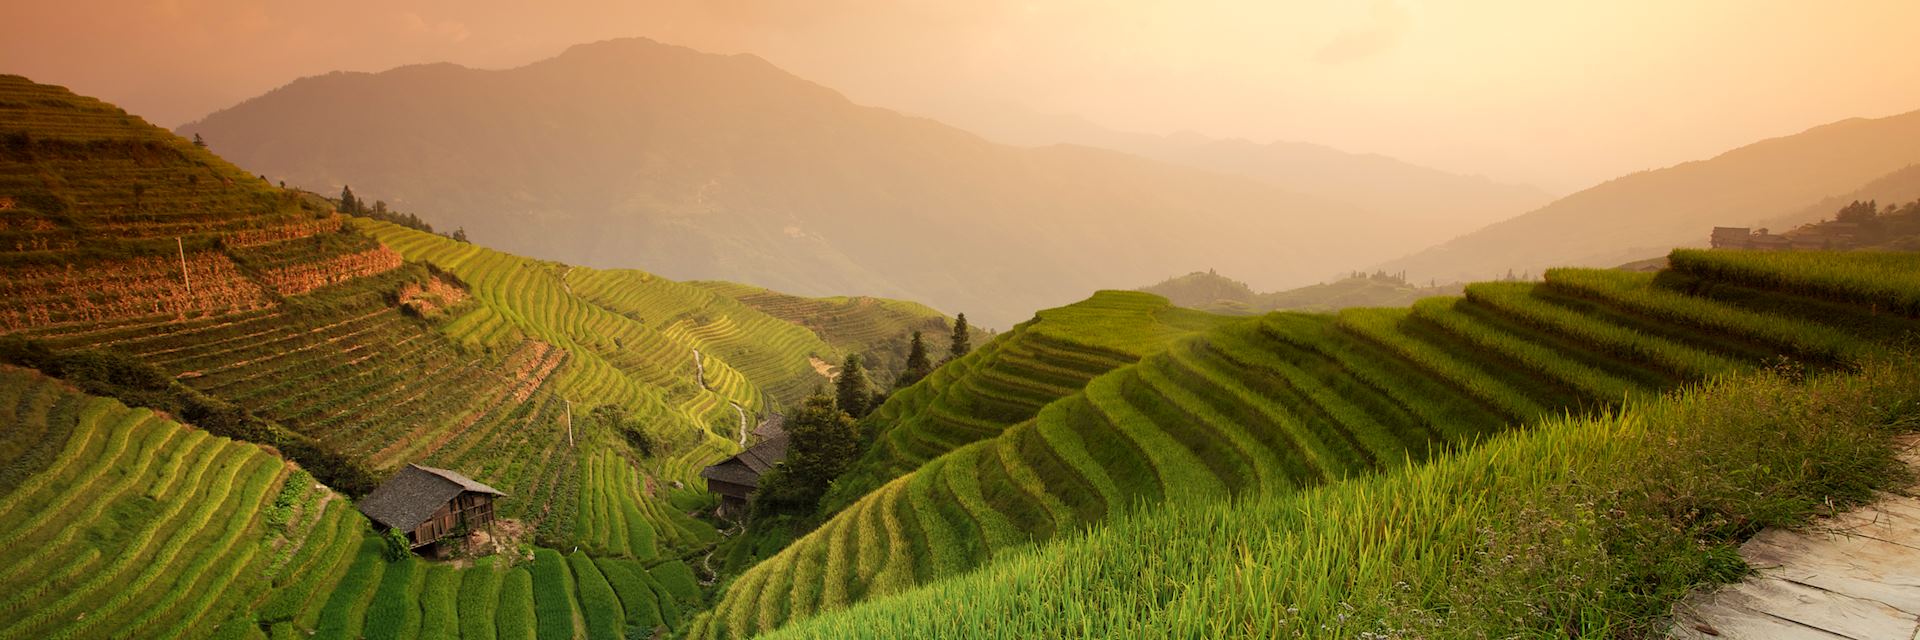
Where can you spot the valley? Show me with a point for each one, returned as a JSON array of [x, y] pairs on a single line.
[[642, 341]]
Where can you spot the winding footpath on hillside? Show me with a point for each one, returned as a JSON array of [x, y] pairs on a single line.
[[1855, 576], [743, 421]]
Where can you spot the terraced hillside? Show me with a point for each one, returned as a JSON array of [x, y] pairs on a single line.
[[1008, 380], [121, 236], [762, 347], [878, 328], [1285, 401], [365, 595], [123, 523], [137, 526], [645, 348], [104, 218]]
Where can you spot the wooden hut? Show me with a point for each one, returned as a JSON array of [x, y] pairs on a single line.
[[736, 478], [429, 503]]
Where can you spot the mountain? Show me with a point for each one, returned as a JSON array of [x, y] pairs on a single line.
[[1894, 188], [1210, 291], [702, 166], [222, 345], [1645, 214], [1424, 203], [200, 372]]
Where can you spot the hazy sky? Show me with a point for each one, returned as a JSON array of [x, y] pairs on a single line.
[[1561, 94]]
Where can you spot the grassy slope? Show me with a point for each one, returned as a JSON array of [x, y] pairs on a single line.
[[134, 521], [766, 349], [1007, 380], [1571, 538], [285, 310], [126, 520], [1288, 401]]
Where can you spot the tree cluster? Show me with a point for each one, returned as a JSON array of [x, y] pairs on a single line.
[[822, 443], [823, 437], [353, 205]]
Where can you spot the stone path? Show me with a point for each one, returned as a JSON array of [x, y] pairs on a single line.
[[1854, 576]]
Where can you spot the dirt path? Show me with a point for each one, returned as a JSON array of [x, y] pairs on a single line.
[[700, 370], [821, 367], [1853, 576], [743, 421]]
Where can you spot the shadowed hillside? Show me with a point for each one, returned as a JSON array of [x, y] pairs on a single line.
[[631, 153], [1645, 214]]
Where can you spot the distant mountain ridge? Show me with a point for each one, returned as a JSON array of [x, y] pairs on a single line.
[[724, 167], [1641, 215], [1427, 203]]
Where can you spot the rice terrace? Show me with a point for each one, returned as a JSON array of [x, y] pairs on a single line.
[[841, 321]]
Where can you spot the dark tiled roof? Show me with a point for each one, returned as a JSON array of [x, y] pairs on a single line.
[[746, 467], [774, 425], [412, 495], [732, 471]]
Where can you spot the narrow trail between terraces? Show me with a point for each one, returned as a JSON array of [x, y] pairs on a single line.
[[1854, 576]]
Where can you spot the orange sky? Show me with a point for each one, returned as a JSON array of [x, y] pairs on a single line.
[[1561, 94]]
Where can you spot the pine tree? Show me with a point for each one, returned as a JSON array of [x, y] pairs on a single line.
[[348, 203], [199, 141], [961, 343], [918, 366], [459, 234], [822, 443], [851, 387]]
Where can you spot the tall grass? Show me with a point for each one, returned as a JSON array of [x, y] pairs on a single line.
[[1592, 527], [1887, 281]]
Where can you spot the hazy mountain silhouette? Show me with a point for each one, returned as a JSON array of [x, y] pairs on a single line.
[[1427, 204], [1780, 181], [692, 165]]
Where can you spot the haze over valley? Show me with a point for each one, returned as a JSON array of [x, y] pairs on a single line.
[[715, 320]]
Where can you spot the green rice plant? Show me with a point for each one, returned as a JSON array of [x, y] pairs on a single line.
[[131, 586], [1637, 293], [1878, 280], [395, 610], [1008, 380], [1516, 300], [638, 602], [1382, 328], [328, 548], [480, 598], [552, 596], [345, 610], [598, 601], [515, 617], [440, 602], [679, 581], [213, 568], [1553, 365], [1578, 502]]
